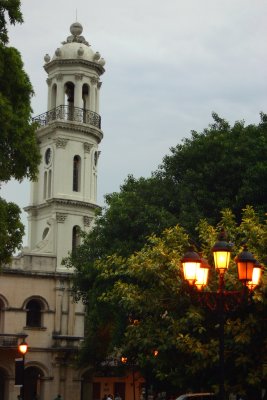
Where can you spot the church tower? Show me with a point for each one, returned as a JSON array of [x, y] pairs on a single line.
[[64, 198], [36, 302]]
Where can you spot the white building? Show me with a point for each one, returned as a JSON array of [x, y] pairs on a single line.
[[35, 290]]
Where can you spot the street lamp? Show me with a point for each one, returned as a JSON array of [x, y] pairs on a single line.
[[23, 348], [196, 270]]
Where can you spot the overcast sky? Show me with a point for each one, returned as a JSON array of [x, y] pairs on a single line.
[[169, 64]]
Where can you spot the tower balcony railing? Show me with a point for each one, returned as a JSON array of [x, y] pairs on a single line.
[[69, 113]]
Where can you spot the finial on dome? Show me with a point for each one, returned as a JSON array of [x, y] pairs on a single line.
[[97, 56], [80, 51], [58, 52], [76, 29], [47, 58]]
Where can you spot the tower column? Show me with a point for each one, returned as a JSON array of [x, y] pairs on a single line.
[[92, 94], [49, 82], [78, 92], [60, 100], [88, 148]]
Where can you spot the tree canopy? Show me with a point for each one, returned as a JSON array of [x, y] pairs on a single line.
[[222, 166], [19, 152], [127, 271], [140, 208], [140, 303], [12, 9]]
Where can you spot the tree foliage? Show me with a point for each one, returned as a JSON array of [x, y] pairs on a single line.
[[12, 9], [141, 207], [221, 167], [19, 152], [140, 303], [126, 271], [11, 229]]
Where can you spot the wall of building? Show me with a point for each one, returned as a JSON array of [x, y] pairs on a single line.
[[53, 344]]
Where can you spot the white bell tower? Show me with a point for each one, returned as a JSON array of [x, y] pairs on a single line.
[[63, 199]]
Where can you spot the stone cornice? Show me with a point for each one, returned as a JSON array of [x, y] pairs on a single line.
[[71, 126], [73, 203], [59, 62], [65, 202], [37, 274]]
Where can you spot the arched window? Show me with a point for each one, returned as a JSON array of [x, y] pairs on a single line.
[[69, 101], [76, 174], [33, 380], [34, 313], [76, 238], [45, 233]]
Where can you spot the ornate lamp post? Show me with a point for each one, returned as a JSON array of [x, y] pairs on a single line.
[[196, 271], [23, 348]]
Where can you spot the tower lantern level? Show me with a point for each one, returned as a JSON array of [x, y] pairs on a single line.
[[64, 198]]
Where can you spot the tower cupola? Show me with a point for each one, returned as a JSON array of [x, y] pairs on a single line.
[[75, 54], [76, 47]]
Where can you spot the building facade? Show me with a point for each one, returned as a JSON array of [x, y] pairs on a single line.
[[35, 289]]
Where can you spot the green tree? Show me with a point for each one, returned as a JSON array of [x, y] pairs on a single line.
[[129, 217], [12, 9], [140, 303], [222, 166], [19, 152]]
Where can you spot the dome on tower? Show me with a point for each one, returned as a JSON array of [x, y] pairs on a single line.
[[76, 47]]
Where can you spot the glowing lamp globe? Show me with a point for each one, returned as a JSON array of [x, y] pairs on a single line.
[[221, 253], [245, 265], [23, 347], [191, 262]]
